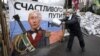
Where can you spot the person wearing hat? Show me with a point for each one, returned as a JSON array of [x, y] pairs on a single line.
[[72, 23]]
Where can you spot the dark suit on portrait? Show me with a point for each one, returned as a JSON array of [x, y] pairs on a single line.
[[40, 41]]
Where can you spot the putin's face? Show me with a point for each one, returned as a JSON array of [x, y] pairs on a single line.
[[34, 20]]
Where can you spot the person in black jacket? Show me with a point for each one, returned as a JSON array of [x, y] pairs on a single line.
[[72, 23]]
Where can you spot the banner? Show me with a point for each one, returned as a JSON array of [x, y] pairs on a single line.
[[22, 8]]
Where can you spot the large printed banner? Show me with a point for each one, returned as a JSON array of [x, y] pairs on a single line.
[[22, 8], [48, 11]]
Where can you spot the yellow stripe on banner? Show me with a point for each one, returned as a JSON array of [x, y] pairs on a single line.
[[17, 42], [27, 43], [31, 48]]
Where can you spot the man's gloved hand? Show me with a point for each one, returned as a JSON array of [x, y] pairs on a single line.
[[56, 21]]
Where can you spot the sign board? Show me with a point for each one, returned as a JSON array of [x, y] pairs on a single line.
[[22, 8]]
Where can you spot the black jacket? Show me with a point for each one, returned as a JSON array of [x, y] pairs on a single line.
[[73, 25]]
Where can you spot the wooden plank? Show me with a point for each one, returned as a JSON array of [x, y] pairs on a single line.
[[3, 49], [4, 28]]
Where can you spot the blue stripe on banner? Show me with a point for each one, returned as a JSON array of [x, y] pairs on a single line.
[[15, 29]]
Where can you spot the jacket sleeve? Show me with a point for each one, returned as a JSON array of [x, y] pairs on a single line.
[[73, 20], [64, 19]]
